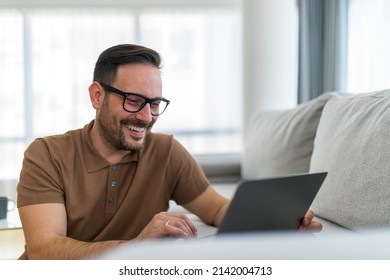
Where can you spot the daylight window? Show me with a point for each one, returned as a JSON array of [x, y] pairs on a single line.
[[46, 65]]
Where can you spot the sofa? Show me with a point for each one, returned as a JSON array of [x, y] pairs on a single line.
[[346, 135]]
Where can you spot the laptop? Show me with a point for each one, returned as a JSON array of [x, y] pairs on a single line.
[[271, 204]]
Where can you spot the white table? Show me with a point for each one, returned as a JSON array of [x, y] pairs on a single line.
[[11, 236]]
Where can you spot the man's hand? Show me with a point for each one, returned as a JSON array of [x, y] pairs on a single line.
[[308, 224], [167, 224]]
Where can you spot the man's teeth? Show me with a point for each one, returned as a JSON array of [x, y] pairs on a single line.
[[138, 129]]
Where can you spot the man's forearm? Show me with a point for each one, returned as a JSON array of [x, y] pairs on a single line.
[[220, 214], [65, 248]]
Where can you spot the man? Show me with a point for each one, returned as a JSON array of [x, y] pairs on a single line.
[[90, 190]]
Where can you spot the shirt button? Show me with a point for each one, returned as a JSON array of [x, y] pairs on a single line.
[[113, 184], [114, 167], [110, 199]]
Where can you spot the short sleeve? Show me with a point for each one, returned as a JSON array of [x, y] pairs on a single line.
[[189, 178], [39, 180]]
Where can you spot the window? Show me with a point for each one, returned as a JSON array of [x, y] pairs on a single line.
[[368, 45], [47, 57]]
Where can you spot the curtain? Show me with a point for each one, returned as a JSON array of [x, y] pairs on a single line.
[[322, 47]]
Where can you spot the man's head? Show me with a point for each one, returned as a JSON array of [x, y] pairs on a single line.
[[123, 76]]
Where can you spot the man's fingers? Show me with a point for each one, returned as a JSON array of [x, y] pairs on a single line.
[[180, 225]]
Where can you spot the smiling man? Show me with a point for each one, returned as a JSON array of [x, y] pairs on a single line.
[[89, 190]]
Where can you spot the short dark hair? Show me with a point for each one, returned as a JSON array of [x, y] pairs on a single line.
[[109, 60]]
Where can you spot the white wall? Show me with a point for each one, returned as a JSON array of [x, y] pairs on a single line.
[[270, 46]]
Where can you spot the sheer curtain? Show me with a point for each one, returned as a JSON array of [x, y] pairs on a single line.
[[322, 47]]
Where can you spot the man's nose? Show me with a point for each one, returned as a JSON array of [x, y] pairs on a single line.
[[145, 114]]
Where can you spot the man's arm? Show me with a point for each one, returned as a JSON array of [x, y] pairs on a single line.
[[210, 207], [45, 227]]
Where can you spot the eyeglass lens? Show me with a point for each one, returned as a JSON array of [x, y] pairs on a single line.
[[135, 103]]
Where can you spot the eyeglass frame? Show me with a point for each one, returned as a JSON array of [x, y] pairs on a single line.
[[146, 99]]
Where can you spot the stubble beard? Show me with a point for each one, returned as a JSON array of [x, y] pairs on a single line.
[[113, 135]]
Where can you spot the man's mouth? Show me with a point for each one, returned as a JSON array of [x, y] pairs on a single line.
[[135, 128]]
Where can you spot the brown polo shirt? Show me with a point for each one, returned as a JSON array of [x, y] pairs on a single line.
[[104, 201]]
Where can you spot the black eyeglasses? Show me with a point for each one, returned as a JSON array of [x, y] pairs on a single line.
[[133, 102]]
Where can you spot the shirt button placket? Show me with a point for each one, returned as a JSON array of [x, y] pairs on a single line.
[[112, 189]]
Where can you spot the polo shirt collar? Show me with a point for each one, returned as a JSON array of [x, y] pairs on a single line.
[[93, 160]]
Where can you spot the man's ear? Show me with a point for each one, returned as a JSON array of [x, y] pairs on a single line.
[[96, 95]]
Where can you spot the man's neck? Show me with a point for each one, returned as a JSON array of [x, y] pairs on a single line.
[[110, 154]]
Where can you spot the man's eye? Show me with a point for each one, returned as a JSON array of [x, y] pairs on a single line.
[[134, 101], [156, 103]]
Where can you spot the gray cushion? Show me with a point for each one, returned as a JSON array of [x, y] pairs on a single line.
[[352, 144], [281, 142]]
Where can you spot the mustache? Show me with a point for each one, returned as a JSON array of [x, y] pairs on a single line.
[[134, 122]]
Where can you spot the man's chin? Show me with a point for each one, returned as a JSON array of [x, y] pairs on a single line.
[[133, 142], [134, 145]]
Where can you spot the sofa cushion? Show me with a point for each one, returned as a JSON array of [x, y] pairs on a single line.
[[281, 142], [352, 144]]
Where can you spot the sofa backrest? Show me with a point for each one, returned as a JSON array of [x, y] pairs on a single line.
[[353, 144], [281, 142]]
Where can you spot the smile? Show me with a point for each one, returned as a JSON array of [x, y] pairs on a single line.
[[137, 129]]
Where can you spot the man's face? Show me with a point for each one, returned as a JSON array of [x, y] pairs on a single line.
[[122, 130]]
